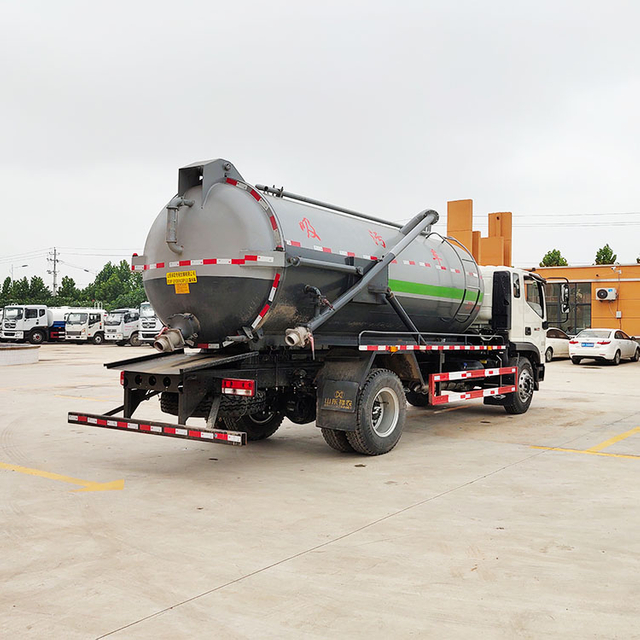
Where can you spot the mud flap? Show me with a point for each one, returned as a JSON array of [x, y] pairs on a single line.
[[338, 384]]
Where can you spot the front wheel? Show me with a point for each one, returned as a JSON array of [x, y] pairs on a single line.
[[36, 337], [258, 426], [134, 340], [636, 356], [380, 414], [576, 360], [616, 359], [520, 400], [98, 338], [548, 355]]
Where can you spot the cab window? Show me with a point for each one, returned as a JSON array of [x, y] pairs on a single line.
[[516, 285], [31, 313], [534, 297], [41, 312]]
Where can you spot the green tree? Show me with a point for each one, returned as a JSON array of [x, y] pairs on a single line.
[[38, 291], [68, 289], [20, 291], [116, 285], [605, 255], [553, 258], [7, 291]]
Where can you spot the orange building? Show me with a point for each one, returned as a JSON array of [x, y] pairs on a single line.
[[616, 308]]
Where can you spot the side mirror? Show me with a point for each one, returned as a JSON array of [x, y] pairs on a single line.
[[564, 298], [545, 324]]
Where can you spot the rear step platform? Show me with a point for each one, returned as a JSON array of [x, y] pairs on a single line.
[[237, 438]]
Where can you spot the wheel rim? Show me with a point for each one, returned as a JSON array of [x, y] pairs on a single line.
[[37, 337], [549, 354], [385, 412], [616, 358], [262, 418], [525, 385]]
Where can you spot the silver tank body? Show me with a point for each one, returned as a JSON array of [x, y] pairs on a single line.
[[234, 270]]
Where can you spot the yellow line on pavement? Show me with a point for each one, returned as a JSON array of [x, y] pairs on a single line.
[[610, 441], [88, 485], [588, 452]]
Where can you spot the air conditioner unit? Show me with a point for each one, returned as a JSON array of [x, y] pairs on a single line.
[[606, 294]]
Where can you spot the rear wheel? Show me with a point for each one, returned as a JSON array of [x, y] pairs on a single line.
[[337, 440], [36, 337], [380, 414], [576, 360], [548, 355], [616, 359], [134, 340], [98, 338], [258, 426], [520, 400]]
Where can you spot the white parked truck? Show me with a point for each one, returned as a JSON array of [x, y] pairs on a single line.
[[33, 322], [150, 324], [122, 326], [316, 313], [85, 325]]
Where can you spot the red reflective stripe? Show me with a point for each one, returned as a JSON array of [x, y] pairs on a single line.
[[210, 261], [221, 436], [184, 263], [276, 280], [232, 181], [255, 194], [264, 311], [122, 425], [160, 265], [102, 423], [294, 243], [412, 262], [326, 249], [274, 224], [82, 418], [237, 261], [251, 258], [195, 434], [170, 430], [133, 268], [145, 427]]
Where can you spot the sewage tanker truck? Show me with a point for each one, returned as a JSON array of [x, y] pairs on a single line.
[[309, 311]]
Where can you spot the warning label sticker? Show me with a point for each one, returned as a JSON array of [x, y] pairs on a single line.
[[182, 287], [181, 277]]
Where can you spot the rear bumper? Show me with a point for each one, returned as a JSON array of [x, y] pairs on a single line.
[[237, 438], [592, 352]]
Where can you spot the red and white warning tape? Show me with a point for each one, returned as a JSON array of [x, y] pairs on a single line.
[[473, 373], [205, 261], [159, 429], [430, 347], [470, 395]]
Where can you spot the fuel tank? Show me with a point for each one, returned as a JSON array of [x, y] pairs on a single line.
[[236, 260]]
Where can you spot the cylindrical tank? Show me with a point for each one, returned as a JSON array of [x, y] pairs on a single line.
[[225, 253]]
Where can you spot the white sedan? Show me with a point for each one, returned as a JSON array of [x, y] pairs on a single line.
[[612, 345], [557, 344]]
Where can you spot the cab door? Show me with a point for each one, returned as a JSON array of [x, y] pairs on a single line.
[[533, 312]]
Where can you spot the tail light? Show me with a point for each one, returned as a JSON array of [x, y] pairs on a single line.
[[604, 342], [237, 387], [573, 342], [122, 378]]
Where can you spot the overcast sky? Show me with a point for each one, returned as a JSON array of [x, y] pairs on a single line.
[[384, 107]]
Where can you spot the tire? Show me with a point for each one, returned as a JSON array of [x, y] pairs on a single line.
[[337, 440], [258, 426], [548, 355], [636, 356], [134, 340], [616, 359], [519, 401], [37, 337], [230, 406], [380, 414], [576, 360], [98, 338], [416, 399]]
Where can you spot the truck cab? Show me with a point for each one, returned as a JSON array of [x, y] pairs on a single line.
[[26, 322], [150, 324], [83, 325], [122, 326]]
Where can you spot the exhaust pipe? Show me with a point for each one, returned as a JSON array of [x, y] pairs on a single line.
[[169, 340]]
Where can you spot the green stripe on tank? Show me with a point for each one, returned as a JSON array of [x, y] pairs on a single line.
[[403, 286]]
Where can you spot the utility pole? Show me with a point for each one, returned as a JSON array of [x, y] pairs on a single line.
[[54, 271]]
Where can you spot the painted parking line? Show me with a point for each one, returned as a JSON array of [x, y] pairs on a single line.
[[597, 450]]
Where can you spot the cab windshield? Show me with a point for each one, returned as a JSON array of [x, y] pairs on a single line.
[[146, 310], [113, 319], [14, 313], [77, 318]]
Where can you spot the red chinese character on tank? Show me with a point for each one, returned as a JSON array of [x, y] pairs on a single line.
[[305, 225], [377, 238], [436, 257]]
